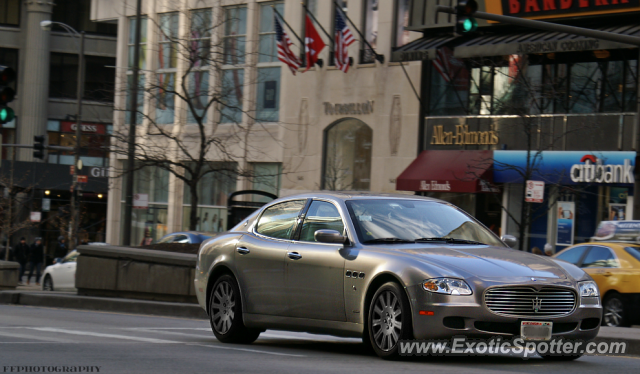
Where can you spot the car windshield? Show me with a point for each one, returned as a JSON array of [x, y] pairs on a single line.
[[408, 221]]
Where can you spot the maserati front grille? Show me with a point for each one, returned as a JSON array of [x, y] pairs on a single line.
[[528, 302]]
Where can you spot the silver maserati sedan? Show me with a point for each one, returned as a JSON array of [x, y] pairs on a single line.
[[385, 268]]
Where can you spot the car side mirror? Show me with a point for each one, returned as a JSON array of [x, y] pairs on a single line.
[[329, 236], [57, 260], [509, 240]]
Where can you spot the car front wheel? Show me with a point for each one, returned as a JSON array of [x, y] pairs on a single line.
[[47, 284], [613, 310], [389, 320], [225, 313]]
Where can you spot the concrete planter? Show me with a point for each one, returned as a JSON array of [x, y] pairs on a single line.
[[9, 275], [135, 273]]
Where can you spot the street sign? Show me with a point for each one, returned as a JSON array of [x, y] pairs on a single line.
[[535, 192], [83, 179], [141, 201], [36, 216], [46, 205]]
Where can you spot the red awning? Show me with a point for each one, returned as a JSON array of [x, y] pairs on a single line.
[[448, 171]]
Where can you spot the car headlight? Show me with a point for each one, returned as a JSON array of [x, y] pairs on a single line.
[[589, 294], [449, 286]]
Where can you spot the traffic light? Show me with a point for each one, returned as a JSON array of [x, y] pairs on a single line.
[[39, 146], [7, 94], [465, 23]]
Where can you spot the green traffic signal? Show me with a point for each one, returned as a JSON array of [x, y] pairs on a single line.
[[6, 115], [470, 25]]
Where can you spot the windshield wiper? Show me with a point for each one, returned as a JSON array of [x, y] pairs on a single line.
[[448, 240], [387, 240]]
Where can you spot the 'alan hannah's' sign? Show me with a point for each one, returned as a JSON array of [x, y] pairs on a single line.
[[593, 170], [434, 186], [462, 136], [351, 108]]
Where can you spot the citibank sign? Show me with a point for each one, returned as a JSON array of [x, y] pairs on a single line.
[[592, 169]]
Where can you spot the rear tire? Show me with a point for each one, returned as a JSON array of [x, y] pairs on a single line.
[[614, 311], [225, 313], [389, 320], [47, 284]]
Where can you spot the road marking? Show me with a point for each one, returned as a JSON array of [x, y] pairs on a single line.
[[101, 335], [34, 337], [247, 350]]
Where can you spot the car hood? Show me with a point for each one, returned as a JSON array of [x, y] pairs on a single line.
[[486, 262]]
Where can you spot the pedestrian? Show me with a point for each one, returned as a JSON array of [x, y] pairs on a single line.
[[61, 248], [536, 251], [548, 250], [22, 255], [35, 260]]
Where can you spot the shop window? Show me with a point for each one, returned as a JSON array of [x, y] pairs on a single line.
[[94, 143], [266, 177], [370, 28], [347, 156], [268, 100], [76, 13], [267, 50], [235, 35], [10, 12], [402, 36]]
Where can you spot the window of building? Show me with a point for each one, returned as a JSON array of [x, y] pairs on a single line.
[[10, 12], [76, 13], [402, 35], [99, 79], [370, 28], [266, 177], [344, 5], [9, 57], [235, 35], [94, 142], [213, 189], [143, 42], [268, 100], [231, 95], [311, 6], [139, 100], [167, 63], [167, 45], [347, 156], [201, 36], [267, 50], [198, 92], [63, 75], [198, 78], [142, 65]]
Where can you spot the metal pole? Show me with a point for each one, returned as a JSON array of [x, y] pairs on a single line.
[[133, 100], [318, 23], [286, 23], [8, 219], [379, 57], [626, 39], [75, 210]]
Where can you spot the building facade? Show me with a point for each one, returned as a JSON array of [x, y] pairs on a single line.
[[570, 101], [46, 62], [317, 129]]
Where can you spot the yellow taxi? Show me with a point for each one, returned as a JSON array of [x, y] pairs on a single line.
[[615, 267]]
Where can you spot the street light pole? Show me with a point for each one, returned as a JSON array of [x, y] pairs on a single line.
[[75, 206]]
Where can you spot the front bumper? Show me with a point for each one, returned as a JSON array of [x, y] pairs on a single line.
[[468, 316]]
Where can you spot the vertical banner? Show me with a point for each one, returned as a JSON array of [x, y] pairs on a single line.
[[566, 222]]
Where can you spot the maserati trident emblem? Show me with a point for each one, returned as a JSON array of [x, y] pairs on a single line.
[[537, 304]]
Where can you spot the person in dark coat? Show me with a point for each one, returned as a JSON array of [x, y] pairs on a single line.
[[36, 256], [22, 255], [61, 248]]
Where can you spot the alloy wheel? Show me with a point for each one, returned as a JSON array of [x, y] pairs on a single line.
[[387, 321], [222, 307], [613, 312]]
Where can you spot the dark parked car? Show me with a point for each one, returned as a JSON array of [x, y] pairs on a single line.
[[186, 237]]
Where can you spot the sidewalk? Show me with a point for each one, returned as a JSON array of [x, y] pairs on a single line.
[[32, 296]]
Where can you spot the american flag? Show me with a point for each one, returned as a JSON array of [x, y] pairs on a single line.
[[440, 64], [284, 47], [343, 39]]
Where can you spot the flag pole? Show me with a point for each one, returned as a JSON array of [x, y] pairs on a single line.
[[289, 26], [379, 57], [318, 23]]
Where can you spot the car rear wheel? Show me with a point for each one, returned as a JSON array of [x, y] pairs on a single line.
[[225, 313], [613, 310], [389, 320], [47, 284]]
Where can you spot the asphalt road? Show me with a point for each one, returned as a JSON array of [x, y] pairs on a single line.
[[122, 343]]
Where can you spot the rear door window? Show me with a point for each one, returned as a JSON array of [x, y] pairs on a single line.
[[278, 221]]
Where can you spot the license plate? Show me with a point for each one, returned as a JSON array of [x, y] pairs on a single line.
[[531, 330]]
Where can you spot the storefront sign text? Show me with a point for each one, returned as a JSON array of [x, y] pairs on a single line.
[[558, 8], [66, 126], [351, 108], [434, 186], [463, 136], [556, 46], [592, 169]]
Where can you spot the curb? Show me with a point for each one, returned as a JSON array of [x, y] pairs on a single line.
[[103, 304]]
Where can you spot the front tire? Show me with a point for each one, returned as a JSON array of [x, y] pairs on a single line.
[[614, 313], [225, 313], [389, 320], [47, 284]]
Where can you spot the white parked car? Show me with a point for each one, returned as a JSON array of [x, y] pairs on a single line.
[[61, 276]]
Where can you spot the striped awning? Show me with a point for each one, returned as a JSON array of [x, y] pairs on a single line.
[[420, 49]]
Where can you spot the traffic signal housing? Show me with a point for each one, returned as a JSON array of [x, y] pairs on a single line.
[[465, 22], [39, 146], [7, 94]]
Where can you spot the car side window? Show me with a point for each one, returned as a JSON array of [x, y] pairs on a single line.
[[71, 257], [168, 239], [320, 216], [572, 255], [278, 221], [600, 257], [180, 239]]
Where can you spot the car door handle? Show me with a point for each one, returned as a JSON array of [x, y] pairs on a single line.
[[607, 274], [294, 255], [243, 250]]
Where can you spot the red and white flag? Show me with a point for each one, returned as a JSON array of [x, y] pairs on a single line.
[[343, 39], [284, 47], [313, 43]]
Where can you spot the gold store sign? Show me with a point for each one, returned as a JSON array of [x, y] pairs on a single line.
[[462, 136]]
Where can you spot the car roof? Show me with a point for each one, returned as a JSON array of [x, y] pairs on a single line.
[[353, 195]]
